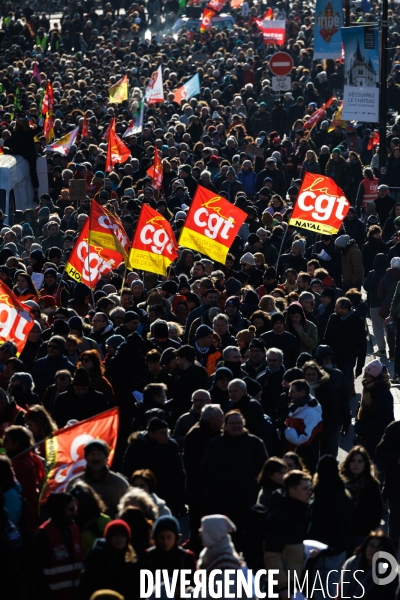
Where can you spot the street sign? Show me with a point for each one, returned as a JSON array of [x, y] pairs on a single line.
[[281, 64], [281, 84]]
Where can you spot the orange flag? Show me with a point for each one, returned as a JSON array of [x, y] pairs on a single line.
[[321, 205], [154, 246], [65, 449], [156, 171], [48, 99], [211, 225], [117, 152], [15, 319]]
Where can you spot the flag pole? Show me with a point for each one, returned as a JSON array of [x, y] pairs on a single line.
[[89, 273]]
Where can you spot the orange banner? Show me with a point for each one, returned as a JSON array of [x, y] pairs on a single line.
[[211, 225], [107, 231], [321, 205], [15, 319], [65, 449], [87, 262], [154, 246], [156, 171]]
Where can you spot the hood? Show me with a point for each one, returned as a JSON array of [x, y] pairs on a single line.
[[294, 308], [380, 261], [251, 298], [393, 273]]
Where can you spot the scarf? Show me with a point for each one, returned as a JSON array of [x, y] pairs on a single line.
[[355, 485], [201, 350], [370, 388]]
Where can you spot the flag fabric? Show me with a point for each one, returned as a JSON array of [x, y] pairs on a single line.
[[154, 246], [85, 128], [188, 89], [87, 262], [211, 225], [321, 205], [216, 5], [36, 73], [274, 32], [156, 171], [63, 145], [1, 150], [65, 453], [48, 129], [106, 230], [119, 91], [48, 99], [317, 115], [154, 91], [373, 141], [269, 14], [337, 119], [117, 152], [136, 124], [106, 132], [207, 15], [16, 320]]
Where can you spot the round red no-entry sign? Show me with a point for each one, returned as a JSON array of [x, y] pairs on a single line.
[[281, 64]]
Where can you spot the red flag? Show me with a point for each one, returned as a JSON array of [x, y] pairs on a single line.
[[373, 141], [211, 225], [156, 171], [321, 205], [48, 99], [65, 449], [216, 5], [85, 128], [206, 24], [317, 115], [15, 319], [117, 152], [106, 230], [154, 246], [269, 14]]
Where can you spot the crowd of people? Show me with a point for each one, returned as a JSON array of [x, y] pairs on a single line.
[[233, 381]]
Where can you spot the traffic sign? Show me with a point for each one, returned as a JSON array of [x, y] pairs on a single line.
[[281, 84], [281, 64]]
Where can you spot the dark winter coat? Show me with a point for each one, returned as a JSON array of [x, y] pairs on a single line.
[[347, 338], [371, 284], [388, 451], [69, 406], [371, 248]]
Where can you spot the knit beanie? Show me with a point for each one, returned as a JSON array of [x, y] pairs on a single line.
[[214, 528], [248, 259], [277, 317], [246, 335], [203, 331], [374, 368], [342, 241], [232, 287], [113, 526], [166, 523]]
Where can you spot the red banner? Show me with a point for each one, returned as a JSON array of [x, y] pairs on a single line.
[[216, 5], [48, 99], [154, 246], [85, 128], [65, 449], [321, 205], [211, 225], [117, 152], [373, 140], [206, 24], [15, 319], [87, 263], [317, 115], [107, 231], [156, 171]]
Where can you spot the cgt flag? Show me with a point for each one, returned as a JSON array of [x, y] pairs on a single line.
[[156, 171], [106, 230], [154, 246], [321, 205], [117, 151], [211, 225], [48, 99], [87, 262], [206, 17], [15, 319], [65, 449]]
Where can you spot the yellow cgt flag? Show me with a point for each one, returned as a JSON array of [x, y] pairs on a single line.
[[119, 91]]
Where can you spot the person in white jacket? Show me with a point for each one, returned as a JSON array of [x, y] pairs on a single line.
[[304, 424]]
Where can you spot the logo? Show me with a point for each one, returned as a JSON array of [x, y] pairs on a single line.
[[385, 564], [215, 223], [323, 204]]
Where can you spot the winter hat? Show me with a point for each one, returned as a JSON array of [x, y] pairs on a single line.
[[57, 502], [99, 294], [203, 331], [183, 283], [171, 287], [81, 378], [137, 282], [76, 323], [374, 368], [248, 258], [167, 356], [223, 373], [231, 171], [253, 239], [300, 245], [159, 329], [134, 341], [26, 230], [48, 301], [32, 304], [130, 316], [60, 327], [232, 287], [186, 169], [115, 341], [257, 343], [233, 301], [337, 150], [50, 271], [270, 273], [156, 424], [253, 387], [260, 256], [293, 374], [329, 292], [214, 528], [277, 317], [44, 212], [247, 335], [395, 262], [98, 445], [342, 241], [302, 359], [112, 526], [166, 523]]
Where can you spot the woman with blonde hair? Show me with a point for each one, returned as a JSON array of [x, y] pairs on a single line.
[[267, 304]]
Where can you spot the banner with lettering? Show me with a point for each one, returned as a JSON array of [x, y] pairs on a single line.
[[211, 225], [328, 22], [15, 319]]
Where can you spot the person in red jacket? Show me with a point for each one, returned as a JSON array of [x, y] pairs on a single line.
[[28, 469]]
